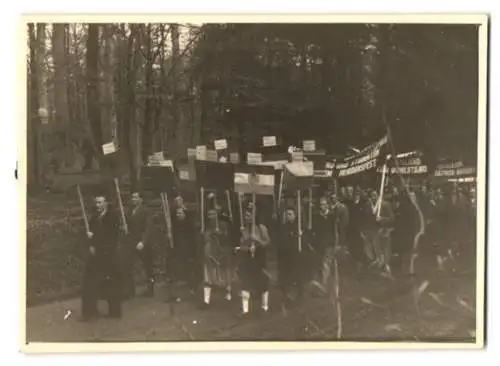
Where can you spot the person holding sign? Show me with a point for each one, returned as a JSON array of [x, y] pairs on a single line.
[[102, 275], [140, 240], [253, 261], [216, 255], [292, 264], [186, 255]]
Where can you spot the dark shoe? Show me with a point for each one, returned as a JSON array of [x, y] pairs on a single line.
[[243, 315], [204, 306]]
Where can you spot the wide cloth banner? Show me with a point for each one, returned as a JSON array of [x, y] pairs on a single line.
[[365, 160]]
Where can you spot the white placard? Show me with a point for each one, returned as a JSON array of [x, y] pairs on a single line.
[[201, 152], [212, 155], [266, 179], [166, 163], [234, 158], [268, 141], [159, 155], [183, 175], [298, 156], [108, 148], [309, 145], [191, 153], [254, 158], [220, 144]]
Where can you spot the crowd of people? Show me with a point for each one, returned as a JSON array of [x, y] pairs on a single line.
[[221, 250]]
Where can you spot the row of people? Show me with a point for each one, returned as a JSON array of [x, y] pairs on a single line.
[[227, 249]]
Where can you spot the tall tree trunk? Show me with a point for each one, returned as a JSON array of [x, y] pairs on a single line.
[[147, 138], [110, 124], [34, 168], [177, 128], [92, 76], [129, 122]]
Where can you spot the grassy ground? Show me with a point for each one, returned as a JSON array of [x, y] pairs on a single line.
[[434, 306]]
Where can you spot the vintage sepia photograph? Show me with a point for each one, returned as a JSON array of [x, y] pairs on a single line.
[[245, 182]]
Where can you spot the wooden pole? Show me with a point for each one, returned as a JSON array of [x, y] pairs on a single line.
[[168, 219], [216, 212], [240, 206], [202, 209], [310, 209], [253, 212], [280, 190], [120, 204], [299, 220], [381, 195], [82, 205], [229, 205]]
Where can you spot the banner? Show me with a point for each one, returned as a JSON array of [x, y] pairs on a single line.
[[363, 161], [254, 179]]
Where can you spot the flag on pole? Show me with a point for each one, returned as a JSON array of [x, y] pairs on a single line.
[[254, 179]]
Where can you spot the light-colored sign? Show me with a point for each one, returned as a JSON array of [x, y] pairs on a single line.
[[201, 152], [268, 141], [191, 153], [234, 158], [309, 145], [212, 155], [254, 158], [220, 144], [108, 148], [298, 156]]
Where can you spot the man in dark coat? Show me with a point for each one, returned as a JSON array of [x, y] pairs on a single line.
[[293, 266], [140, 243], [102, 276], [324, 240]]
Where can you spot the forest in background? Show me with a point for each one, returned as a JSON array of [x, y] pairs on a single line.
[[151, 87]]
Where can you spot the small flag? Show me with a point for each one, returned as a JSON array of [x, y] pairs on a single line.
[[309, 145], [254, 179], [268, 141], [109, 148], [220, 144]]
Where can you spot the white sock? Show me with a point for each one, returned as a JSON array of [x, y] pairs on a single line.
[[245, 301], [206, 294], [265, 301]]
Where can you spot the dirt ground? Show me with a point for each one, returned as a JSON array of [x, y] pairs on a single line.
[[374, 308]]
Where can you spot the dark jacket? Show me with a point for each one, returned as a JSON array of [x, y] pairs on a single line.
[[140, 225], [324, 231], [105, 241]]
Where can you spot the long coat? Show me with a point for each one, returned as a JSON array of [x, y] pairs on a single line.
[[103, 269]]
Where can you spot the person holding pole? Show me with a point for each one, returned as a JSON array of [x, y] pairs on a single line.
[[140, 241], [216, 253], [290, 254], [102, 274], [254, 243]]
